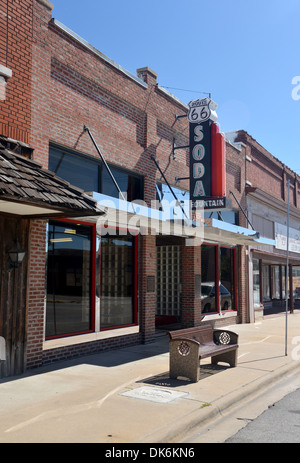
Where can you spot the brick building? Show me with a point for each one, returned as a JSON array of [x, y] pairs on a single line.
[[268, 183], [71, 109]]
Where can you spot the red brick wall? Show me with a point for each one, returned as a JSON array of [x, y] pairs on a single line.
[[131, 122], [235, 178], [36, 293], [268, 173], [15, 54], [73, 87]]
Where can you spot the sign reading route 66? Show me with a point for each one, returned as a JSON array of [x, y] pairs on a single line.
[[201, 110]]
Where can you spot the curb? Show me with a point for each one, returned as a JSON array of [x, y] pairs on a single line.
[[189, 422]]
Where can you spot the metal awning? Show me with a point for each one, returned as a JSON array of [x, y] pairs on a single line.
[[223, 232], [136, 217]]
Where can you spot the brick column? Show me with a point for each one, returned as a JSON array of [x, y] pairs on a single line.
[[36, 293], [148, 287], [242, 278], [191, 285]]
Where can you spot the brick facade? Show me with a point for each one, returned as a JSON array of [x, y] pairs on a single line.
[[131, 119], [16, 54], [67, 85]]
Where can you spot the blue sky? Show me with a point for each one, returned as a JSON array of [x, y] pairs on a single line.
[[244, 52]]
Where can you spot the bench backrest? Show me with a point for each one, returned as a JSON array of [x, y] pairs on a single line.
[[202, 334]]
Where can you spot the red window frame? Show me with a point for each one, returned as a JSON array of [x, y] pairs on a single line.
[[93, 282], [133, 233], [217, 274]]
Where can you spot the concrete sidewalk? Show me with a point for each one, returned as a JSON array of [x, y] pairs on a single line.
[[126, 396]]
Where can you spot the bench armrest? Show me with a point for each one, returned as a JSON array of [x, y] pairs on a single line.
[[225, 337], [184, 347]]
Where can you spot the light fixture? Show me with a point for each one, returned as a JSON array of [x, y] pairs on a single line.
[[16, 255]]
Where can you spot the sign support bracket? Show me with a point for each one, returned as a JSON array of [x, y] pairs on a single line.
[[244, 213], [174, 148], [170, 188]]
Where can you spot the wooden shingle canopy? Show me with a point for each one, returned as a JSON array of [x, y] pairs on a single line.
[[29, 190]]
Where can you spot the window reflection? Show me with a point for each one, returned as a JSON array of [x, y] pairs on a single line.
[[68, 307], [226, 278], [77, 170], [117, 281], [218, 279], [208, 271], [90, 175], [256, 283]]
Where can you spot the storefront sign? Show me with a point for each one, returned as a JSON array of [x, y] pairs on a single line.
[[212, 203], [207, 156], [281, 238], [200, 161], [202, 110]]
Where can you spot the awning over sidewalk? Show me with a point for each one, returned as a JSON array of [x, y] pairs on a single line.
[[135, 216], [29, 190], [217, 230]]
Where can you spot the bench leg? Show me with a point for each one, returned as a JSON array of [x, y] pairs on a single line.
[[185, 366], [184, 369], [227, 357]]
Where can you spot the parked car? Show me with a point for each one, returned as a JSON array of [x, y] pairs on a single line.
[[208, 298], [297, 293]]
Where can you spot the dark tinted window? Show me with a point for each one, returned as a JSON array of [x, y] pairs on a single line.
[[91, 175], [69, 279], [78, 171]]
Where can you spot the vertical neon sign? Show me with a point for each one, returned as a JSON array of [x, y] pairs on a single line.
[[207, 153]]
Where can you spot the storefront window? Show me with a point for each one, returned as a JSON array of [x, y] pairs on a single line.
[[256, 283], [118, 290], [296, 282], [226, 278], [266, 282], [276, 283], [208, 278], [77, 170], [69, 287], [91, 175], [217, 278], [130, 185], [226, 216], [283, 271]]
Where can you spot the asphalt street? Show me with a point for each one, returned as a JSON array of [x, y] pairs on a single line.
[[280, 423]]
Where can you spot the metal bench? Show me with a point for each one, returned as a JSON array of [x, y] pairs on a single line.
[[188, 346]]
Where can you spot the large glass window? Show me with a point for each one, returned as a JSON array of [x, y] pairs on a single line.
[[69, 279], [208, 278], [118, 307], [226, 278], [77, 170], [90, 175], [217, 278], [296, 282], [276, 282], [256, 283], [130, 185], [226, 216], [266, 283]]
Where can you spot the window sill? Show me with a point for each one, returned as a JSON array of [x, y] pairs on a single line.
[[214, 316], [90, 337]]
